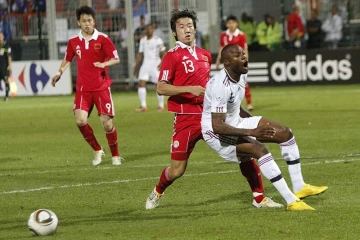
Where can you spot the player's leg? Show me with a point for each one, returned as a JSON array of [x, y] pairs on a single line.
[[225, 146], [143, 78], [105, 107], [187, 133], [154, 77], [248, 97], [290, 152], [250, 147]]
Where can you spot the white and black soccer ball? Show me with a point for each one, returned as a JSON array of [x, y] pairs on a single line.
[[43, 222]]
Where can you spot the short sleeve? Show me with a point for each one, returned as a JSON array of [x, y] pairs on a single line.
[[110, 49], [69, 54], [167, 69], [222, 43], [141, 45], [161, 45], [219, 97]]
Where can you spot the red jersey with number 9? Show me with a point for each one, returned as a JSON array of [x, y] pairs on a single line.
[[181, 66], [99, 48]]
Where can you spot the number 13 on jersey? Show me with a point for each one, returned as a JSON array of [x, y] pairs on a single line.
[[188, 65]]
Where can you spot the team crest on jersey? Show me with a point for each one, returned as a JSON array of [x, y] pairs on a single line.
[[205, 58], [232, 98], [176, 144], [78, 52], [97, 46]]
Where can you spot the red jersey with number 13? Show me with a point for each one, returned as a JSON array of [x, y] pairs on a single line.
[[182, 66], [99, 48]]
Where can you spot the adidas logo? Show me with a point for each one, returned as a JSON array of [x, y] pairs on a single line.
[[77, 47], [185, 57]]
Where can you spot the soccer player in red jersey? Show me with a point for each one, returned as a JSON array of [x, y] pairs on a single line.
[[184, 72], [183, 76], [234, 36], [94, 52]]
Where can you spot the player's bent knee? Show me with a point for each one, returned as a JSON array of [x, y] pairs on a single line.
[[261, 150], [81, 121]]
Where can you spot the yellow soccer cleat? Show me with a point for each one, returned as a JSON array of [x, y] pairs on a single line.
[[298, 205], [309, 190]]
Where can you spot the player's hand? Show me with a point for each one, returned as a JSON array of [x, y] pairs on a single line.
[[136, 72], [99, 64], [264, 131], [198, 91], [54, 80]]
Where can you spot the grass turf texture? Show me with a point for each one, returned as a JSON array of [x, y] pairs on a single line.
[[45, 163]]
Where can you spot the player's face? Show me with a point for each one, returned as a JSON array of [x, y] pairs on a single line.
[[86, 23], [231, 25], [185, 31], [149, 31], [238, 60]]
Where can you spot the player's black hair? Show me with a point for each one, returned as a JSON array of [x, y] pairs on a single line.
[[185, 13], [226, 51], [85, 10], [231, 17]]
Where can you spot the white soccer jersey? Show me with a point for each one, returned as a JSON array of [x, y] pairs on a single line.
[[151, 49], [223, 95]]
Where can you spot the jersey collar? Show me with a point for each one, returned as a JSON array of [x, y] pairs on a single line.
[[190, 49], [235, 34], [93, 37]]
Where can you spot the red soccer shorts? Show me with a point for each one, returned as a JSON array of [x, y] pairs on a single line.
[[187, 132], [102, 100]]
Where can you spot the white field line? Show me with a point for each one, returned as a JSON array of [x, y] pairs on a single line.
[[151, 178], [165, 164]]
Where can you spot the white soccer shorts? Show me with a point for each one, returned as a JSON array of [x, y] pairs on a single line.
[[149, 72], [226, 147]]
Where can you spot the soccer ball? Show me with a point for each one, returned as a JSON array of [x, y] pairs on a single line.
[[42, 222]]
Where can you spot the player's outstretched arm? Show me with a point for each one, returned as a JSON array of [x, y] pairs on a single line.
[[64, 65], [164, 88]]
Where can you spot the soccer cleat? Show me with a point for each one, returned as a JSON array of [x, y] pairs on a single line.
[[267, 203], [98, 156], [116, 160], [141, 109], [309, 190], [250, 107], [153, 200], [298, 205], [160, 109]]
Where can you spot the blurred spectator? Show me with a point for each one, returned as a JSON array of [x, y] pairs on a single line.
[[157, 31], [313, 27], [273, 35], [333, 28], [295, 29], [199, 39], [248, 26], [41, 4], [139, 33], [3, 6], [4, 28], [261, 33], [123, 34], [19, 6]]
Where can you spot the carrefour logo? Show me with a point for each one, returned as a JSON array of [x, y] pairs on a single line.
[[38, 79]]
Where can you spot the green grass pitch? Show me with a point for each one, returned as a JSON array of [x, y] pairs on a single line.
[[45, 163]]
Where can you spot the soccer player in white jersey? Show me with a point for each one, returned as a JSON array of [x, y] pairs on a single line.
[[232, 136], [151, 52]]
